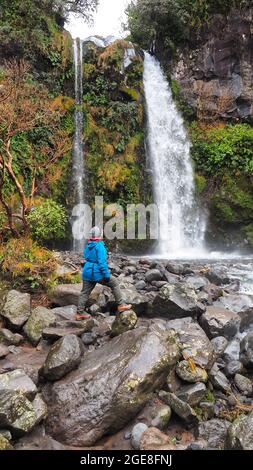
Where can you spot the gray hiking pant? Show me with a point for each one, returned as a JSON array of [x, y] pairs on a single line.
[[88, 287]]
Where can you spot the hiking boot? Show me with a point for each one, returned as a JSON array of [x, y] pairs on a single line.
[[82, 316], [124, 308]]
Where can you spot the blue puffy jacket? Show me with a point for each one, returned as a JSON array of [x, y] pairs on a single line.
[[96, 267]]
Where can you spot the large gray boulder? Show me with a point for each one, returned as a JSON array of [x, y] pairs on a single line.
[[218, 321], [40, 318], [177, 301], [16, 309], [112, 384], [246, 350], [240, 434], [194, 342], [64, 356]]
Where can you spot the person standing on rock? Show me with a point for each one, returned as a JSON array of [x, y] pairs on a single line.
[[95, 271]]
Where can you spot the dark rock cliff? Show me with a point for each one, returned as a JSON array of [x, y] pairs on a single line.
[[216, 75]]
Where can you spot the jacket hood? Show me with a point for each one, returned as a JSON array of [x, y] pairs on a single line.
[[93, 242]]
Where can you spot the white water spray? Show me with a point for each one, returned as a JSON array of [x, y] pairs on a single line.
[[182, 225]]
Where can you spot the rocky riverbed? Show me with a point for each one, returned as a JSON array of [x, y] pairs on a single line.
[[175, 372]]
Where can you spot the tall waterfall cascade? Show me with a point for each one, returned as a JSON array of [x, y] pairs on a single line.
[[181, 222], [78, 168]]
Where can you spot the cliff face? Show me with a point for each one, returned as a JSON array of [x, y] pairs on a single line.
[[216, 76]]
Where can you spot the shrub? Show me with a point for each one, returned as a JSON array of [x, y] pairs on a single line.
[[48, 221], [26, 263], [229, 147]]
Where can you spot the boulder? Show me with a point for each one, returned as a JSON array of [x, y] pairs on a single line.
[[240, 434], [8, 338], [17, 309], [238, 303], [246, 320], [154, 439], [64, 328], [40, 318], [244, 384], [173, 381], [197, 282], [140, 285], [232, 368], [4, 351], [218, 276], [232, 351], [192, 394], [64, 356], [175, 268], [219, 344], [124, 322], [219, 380], [214, 292], [37, 440], [220, 322], [180, 407], [161, 415], [191, 373], [153, 275], [177, 301], [18, 381], [112, 384], [89, 338], [136, 435], [194, 342], [246, 350], [131, 296], [214, 432], [5, 444], [65, 313], [19, 414], [65, 294]]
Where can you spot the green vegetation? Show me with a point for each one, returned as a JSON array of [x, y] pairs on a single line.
[[223, 147], [173, 22], [223, 156], [25, 263], [48, 221], [114, 133]]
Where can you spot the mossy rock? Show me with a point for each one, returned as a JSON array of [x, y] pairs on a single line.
[[5, 444], [125, 322], [40, 318]]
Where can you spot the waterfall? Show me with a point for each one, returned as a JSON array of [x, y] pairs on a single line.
[[181, 223], [78, 170]]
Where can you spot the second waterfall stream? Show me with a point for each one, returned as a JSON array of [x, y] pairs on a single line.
[[182, 223]]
